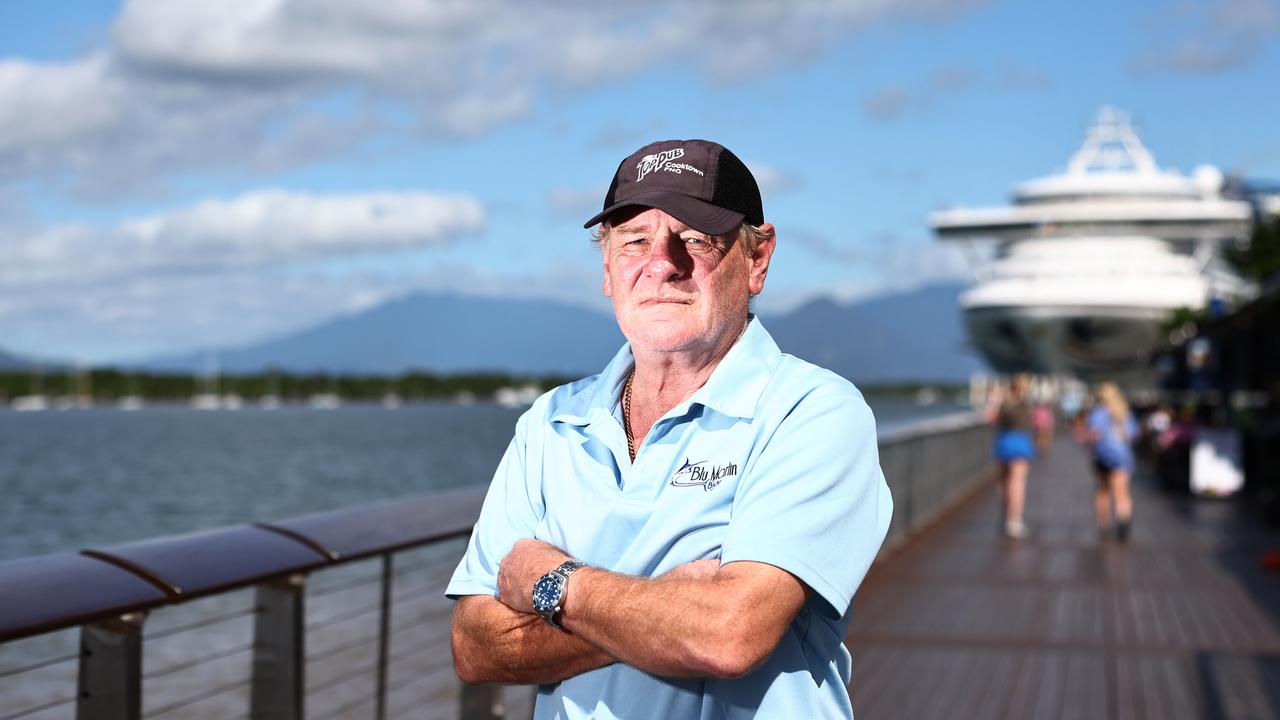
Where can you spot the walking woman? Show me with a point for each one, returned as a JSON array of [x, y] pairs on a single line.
[[1111, 431], [1015, 450]]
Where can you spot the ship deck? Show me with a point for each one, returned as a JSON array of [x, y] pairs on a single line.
[[1183, 621]]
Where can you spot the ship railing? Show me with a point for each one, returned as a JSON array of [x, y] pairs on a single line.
[[336, 614]]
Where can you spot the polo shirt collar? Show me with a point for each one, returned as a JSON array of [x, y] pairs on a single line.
[[733, 389], [736, 384]]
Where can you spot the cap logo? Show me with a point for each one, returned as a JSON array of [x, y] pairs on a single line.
[[662, 161]]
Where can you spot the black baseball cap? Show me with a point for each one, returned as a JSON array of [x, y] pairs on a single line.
[[698, 182]]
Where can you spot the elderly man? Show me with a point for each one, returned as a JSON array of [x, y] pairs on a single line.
[[681, 535]]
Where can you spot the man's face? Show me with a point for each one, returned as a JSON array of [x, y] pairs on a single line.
[[675, 289]]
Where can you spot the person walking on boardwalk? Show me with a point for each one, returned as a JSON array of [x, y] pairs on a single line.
[[1111, 430], [681, 535], [1014, 450]]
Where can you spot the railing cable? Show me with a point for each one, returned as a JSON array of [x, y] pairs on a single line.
[[216, 655], [39, 708], [215, 690], [37, 665], [202, 623]]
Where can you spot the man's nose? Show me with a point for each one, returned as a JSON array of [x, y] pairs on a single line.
[[668, 259]]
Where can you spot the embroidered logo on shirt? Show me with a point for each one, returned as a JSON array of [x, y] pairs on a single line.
[[700, 474]]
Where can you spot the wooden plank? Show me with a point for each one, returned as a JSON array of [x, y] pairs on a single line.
[[1177, 623]]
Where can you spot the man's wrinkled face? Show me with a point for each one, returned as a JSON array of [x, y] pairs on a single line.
[[675, 289]]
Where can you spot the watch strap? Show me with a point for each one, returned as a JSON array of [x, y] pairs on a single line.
[[564, 570]]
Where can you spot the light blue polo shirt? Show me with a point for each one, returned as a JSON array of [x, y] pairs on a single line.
[[773, 460]]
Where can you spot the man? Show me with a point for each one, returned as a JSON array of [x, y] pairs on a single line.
[[681, 535]]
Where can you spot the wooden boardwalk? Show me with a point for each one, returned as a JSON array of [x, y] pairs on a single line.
[[1180, 622]]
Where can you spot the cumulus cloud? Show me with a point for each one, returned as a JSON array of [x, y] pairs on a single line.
[[892, 102], [187, 85], [574, 202], [1209, 37], [887, 104], [141, 316], [773, 181], [146, 315], [218, 273], [1018, 77], [821, 245], [257, 230]]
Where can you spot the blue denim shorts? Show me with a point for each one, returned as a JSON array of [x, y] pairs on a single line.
[[1014, 445]]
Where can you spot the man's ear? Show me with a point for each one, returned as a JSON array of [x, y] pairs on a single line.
[[760, 259]]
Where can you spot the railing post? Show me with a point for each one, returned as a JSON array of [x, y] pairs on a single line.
[[110, 683], [278, 644], [482, 702], [384, 636]]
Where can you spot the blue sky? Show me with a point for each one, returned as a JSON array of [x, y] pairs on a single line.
[[183, 175]]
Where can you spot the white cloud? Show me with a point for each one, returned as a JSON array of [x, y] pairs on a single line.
[[772, 181], [265, 228], [146, 315], [891, 102], [1209, 38], [887, 104], [192, 85], [576, 202]]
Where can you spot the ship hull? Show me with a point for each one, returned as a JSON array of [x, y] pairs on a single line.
[[1091, 343]]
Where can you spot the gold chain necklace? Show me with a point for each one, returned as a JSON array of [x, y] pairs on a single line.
[[626, 415]]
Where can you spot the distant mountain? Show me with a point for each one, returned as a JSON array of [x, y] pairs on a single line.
[[436, 332], [13, 362], [909, 336]]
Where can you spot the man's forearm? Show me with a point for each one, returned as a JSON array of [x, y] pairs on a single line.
[[718, 626], [493, 643]]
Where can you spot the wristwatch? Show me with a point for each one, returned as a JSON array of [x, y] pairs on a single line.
[[548, 592]]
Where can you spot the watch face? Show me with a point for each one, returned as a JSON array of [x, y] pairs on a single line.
[[546, 593]]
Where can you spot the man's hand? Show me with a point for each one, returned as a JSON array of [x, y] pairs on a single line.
[[528, 561]]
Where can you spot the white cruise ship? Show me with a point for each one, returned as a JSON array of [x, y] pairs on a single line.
[[1090, 263]]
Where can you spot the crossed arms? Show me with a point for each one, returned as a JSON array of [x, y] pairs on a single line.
[[702, 619]]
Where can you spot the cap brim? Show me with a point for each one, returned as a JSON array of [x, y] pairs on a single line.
[[697, 214]]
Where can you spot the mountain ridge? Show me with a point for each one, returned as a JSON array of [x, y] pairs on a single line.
[[901, 337]]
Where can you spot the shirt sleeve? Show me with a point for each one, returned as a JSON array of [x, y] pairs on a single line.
[[511, 511], [815, 502]]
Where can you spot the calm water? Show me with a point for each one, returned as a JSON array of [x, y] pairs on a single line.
[[77, 479]]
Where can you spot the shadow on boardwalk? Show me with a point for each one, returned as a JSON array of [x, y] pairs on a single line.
[[1181, 622]]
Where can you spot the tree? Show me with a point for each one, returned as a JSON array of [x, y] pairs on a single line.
[[1260, 258]]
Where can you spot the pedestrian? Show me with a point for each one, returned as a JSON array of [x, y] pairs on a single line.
[[681, 535], [1042, 420], [1111, 430], [1014, 450]]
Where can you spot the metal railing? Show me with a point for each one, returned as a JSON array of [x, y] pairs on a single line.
[[331, 615], [932, 465]]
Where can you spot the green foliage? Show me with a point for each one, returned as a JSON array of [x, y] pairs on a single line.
[[1260, 258]]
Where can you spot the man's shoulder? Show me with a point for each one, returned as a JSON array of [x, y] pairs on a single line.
[[795, 377], [570, 399], [799, 387]]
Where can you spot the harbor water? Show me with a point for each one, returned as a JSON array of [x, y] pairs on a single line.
[[86, 478]]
